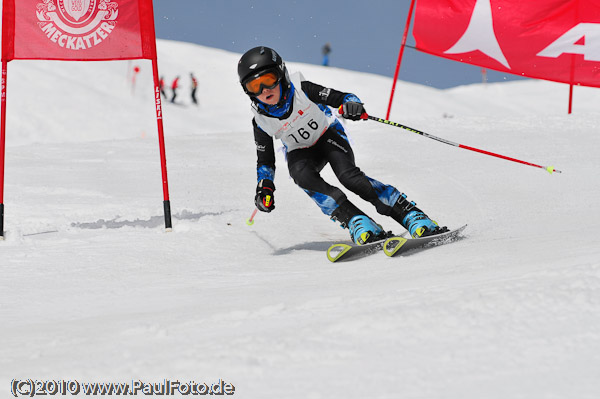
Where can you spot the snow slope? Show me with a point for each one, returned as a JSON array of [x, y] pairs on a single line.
[[93, 289]]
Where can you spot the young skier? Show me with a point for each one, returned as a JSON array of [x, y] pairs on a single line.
[[296, 111]]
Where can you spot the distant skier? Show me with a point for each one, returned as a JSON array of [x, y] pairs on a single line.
[[161, 85], [326, 49], [194, 88], [296, 111], [174, 87]]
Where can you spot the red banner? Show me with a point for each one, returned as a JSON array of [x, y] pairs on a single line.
[[78, 30], [555, 40]]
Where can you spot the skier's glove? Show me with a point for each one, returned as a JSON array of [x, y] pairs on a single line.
[[264, 200], [352, 110]]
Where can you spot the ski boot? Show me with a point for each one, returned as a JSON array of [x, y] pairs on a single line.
[[363, 229], [419, 225], [414, 220]]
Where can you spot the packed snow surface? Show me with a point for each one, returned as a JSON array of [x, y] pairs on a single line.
[[93, 289]]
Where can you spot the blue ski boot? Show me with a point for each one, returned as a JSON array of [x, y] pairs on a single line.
[[364, 230], [419, 225], [414, 220]]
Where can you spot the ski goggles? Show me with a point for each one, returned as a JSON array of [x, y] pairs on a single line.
[[266, 81]]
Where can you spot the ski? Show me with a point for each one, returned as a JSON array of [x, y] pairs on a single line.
[[349, 251], [391, 246], [344, 252], [394, 246]]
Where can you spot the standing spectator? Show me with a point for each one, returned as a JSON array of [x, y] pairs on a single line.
[[326, 50], [161, 86], [194, 88], [174, 87]]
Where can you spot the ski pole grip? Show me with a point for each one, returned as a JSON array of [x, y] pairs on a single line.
[[341, 112]]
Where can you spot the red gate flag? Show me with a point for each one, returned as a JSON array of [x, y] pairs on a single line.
[[556, 40], [78, 30]]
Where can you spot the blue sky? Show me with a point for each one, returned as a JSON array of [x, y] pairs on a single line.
[[364, 36]]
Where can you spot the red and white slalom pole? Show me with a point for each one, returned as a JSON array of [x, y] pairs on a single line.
[[2, 145]]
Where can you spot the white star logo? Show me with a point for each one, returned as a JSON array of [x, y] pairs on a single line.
[[480, 35]]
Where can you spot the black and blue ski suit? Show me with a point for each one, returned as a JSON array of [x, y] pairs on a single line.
[[333, 147]]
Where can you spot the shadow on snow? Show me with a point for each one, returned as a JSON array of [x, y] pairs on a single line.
[[154, 221]]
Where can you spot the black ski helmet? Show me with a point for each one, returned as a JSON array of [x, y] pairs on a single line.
[[258, 61]]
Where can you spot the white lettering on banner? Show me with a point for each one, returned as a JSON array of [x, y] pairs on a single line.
[[3, 86], [569, 43], [480, 35], [77, 24], [158, 103], [74, 42], [582, 39]]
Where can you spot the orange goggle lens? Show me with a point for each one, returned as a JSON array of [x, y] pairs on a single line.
[[266, 81]]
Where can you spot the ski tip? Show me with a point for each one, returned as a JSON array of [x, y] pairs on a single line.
[[461, 228], [336, 251]]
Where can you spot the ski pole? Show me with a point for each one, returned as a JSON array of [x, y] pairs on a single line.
[[550, 169], [250, 220]]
